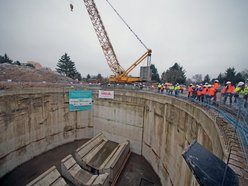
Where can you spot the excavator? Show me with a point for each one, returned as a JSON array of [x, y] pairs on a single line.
[[120, 74]]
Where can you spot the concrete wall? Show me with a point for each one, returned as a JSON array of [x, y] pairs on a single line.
[[170, 126], [33, 122], [158, 127]]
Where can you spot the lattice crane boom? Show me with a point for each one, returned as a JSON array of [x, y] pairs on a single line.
[[103, 38], [120, 74]]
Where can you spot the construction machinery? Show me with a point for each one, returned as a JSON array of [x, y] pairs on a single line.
[[120, 74]]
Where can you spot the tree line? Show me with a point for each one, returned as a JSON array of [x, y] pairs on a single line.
[[175, 74]]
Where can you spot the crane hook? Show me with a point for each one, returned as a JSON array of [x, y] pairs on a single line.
[[71, 6]]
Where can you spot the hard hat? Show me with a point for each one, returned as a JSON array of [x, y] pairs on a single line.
[[228, 82], [240, 84], [209, 85], [206, 83], [216, 80], [191, 84]]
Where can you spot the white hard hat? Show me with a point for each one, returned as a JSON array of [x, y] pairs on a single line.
[[209, 85], [206, 83], [228, 82], [216, 80], [240, 84]]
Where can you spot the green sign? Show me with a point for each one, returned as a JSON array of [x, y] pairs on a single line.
[[80, 100]]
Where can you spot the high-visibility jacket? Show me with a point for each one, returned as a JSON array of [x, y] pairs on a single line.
[[246, 89], [177, 87], [230, 89], [199, 92], [237, 89], [243, 92], [211, 91], [204, 90], [171, 87], [223, 90], [216, 85], [190, 88]]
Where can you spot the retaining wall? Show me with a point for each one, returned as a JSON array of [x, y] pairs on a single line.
[[158, 127], [35, 121]]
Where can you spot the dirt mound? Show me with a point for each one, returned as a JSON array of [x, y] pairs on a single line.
[[14, 75]]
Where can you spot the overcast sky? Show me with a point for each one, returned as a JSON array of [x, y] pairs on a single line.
[[203, 36]]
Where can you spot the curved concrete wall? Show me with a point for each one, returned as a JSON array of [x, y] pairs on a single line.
[[35, 121], [158, 127]]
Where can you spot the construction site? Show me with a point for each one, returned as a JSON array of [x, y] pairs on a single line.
[[105, 141], [58, 131]]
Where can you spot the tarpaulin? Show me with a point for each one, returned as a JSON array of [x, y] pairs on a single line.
[[207, 168]]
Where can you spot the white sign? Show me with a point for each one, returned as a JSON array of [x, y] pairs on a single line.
[[106, 94], [81, 101]]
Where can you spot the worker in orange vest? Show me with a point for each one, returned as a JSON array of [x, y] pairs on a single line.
[[215, 86], [229, 91], [210, 93], [199, 92], [190, 87], [204, 92]]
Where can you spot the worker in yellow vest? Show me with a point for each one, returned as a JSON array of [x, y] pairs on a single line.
[[177, 88], [241, 94]]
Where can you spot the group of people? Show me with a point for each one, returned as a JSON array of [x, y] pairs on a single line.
[[208, 92], [204, 93], [240, 93], [170, 88]]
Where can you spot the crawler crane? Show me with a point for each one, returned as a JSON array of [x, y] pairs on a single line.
[[120, 74]]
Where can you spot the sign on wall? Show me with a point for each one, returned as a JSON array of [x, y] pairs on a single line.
[[80, 100], [106, 94]]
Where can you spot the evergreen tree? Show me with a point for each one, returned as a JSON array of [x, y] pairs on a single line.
[[245, 74], [238, 78], [221, 78], [78, 76], [88, 77], [154, 74], [5, 59], [230, 74], [67, 67], [206, 79], [99, 77], [1, 59], [175, 74]]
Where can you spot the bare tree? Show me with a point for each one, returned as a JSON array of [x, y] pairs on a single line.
[[197, 78]]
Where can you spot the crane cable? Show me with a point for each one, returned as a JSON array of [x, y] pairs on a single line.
[[127, 25]]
